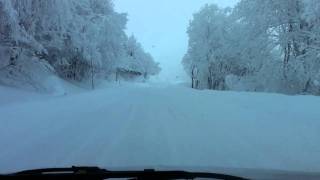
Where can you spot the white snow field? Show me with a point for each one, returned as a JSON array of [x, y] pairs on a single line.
[[148, 126]]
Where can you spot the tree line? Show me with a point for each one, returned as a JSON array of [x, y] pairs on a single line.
[[78, 40], [259, 45]]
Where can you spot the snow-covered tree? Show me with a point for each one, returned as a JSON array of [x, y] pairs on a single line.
[[220, 46], [287, 24], [137, 61], [78, 40], [19, 62], [257, 46]]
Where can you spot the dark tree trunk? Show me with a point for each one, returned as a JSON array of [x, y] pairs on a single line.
[[92, 74]]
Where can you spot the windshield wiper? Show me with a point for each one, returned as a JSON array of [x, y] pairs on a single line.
[[96, 173]]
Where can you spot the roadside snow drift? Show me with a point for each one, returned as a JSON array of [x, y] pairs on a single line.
[[139, 126]]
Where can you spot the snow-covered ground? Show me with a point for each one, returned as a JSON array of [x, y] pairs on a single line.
[[148, 125]]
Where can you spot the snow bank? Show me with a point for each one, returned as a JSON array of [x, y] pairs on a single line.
[[56, 87]]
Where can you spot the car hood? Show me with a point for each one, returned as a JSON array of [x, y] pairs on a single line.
[[241, 172]]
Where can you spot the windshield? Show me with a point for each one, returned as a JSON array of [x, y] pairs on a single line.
[[197, 85]]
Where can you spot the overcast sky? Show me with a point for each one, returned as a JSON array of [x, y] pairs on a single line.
[[160, 26]]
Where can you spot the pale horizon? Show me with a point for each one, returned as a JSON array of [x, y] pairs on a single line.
[[160, 27]]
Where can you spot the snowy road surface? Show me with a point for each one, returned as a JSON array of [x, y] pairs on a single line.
[[135, 125]]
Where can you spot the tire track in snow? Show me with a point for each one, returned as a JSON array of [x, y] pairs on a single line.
[[145, 141]]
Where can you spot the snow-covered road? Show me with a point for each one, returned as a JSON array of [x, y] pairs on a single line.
[[141, 125]]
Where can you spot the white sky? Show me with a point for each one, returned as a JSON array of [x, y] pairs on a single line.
[[160, 26]]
